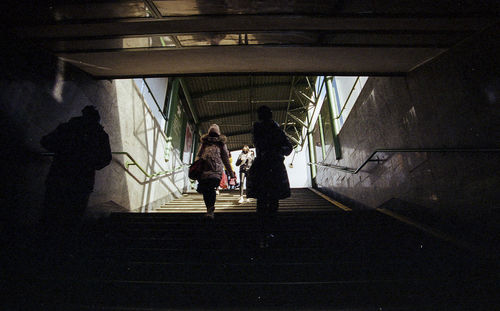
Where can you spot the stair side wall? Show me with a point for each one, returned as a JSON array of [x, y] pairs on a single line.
[[450, 102], [38, 92]]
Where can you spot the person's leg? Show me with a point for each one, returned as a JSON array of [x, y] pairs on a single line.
[[209, 195], [242, 180], [272, 218], [209, 198], [245, 177], [52, 220], [262, 214], [81, 200], [76, 205]]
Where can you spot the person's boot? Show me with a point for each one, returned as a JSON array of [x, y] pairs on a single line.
[[241, 200], [210, 212]]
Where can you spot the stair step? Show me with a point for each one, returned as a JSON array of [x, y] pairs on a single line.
[[334, 270], [321, 257], [352, 294]]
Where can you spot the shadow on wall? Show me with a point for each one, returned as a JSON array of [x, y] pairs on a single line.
[[153, 139], [104, 209], [37, 93]]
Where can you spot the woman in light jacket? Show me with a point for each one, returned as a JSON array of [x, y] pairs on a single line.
[[245, 160], [214, 151]]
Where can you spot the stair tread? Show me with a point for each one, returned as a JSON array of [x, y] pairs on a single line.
[[321, 256]]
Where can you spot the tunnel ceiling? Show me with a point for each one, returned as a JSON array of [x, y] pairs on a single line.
[[128, 38], [232, 101]]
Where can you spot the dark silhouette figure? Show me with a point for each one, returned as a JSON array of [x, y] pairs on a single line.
[[214, 151], [80, 147], [267, 179]]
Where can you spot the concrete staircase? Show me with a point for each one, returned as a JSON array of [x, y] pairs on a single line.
[[322, 257], [301, 200]]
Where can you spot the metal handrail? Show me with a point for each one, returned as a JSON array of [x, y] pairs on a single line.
[[347, 100], [369, 159], [134, 162]]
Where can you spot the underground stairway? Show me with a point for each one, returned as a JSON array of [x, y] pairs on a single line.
[[323, 256]]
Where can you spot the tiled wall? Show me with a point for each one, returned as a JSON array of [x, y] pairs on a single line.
[[451, 102]]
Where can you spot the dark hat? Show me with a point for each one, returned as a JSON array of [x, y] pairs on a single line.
[[264, 113], [90, 112]]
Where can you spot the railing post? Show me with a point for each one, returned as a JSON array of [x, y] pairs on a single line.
[[195, 143], [312, 158], [333, 111], [173, 99], [168, 148]]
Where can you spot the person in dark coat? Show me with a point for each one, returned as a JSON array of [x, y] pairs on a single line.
[[80, 147], [216, 155], [245, 160], [267, 179]]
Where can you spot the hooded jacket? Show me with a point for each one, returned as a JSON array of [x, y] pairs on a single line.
[[214, 151]]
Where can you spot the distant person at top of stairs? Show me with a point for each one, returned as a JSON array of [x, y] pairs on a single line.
[[216, 155], [244, 161], [81, 146], [267, 179]]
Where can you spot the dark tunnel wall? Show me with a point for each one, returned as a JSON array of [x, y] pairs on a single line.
[[37, 93], [451, 102]]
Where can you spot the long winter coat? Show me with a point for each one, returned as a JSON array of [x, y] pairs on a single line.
[[214, 151], [268, 179]]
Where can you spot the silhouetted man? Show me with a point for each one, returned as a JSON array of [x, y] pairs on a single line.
[[81, 147]]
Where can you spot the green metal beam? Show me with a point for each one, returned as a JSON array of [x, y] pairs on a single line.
[[292, 138], [173, 100], [290, 94], [312, 159], [191, 107], [196, 141], [332, 108], [304, 124], [183, 138]]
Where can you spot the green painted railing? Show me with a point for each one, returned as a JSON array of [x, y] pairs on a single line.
[[134, 162], [348, 97], [407, 150]]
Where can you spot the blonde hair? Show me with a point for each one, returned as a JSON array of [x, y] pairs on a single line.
[[245, 149]]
